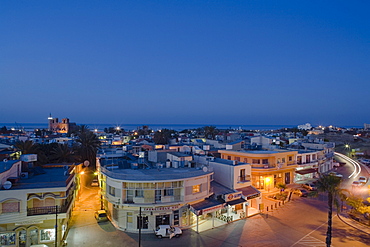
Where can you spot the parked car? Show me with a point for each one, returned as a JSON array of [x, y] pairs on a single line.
[[301, 192], [362, 180], [167, 231], [309, 186], [101, 216], [336, 174], [356, 183]]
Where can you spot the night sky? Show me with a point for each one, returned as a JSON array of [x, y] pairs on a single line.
[[185, 62]]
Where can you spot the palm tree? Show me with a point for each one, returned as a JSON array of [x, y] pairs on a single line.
[[27, 147], [330, 184], [62, 153], [88, 145]]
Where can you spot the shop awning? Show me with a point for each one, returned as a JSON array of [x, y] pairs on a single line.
[[249, 192], [306, 171], [235, 202], [206, 206]]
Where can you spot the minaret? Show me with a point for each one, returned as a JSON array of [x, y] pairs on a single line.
[[50, 118]]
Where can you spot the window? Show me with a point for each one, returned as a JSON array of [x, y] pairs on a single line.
[[265, 161], [130, 195], [10, 207], [139, 193], [7, 238], [242, 175], [229, 157], [47, 234], [255, 161], [143, 222], [111, 190], [168, 192], [283, 160], [245, 160], [237, 158], [196, 188], [290, 158], [158, 195]]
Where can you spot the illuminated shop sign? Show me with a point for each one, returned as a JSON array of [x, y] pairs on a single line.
[[233, 196], [161, 208]]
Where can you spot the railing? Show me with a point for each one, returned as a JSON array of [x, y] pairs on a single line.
[[45, 210], [244, 178], [50, 209]]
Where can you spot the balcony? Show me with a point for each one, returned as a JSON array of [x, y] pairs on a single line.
[[242, 179], [50, 209], [46, 210]]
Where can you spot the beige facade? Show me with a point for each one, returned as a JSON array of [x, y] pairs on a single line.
[[268, 168], [36, 210]]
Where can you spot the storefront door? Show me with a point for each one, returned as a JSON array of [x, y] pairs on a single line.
[[162, 220], [34, 237], [22, 237]]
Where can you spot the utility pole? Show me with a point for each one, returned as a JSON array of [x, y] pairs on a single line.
[[56, 226], [140, 219]]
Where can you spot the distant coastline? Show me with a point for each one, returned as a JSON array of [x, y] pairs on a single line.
[[176, 127]]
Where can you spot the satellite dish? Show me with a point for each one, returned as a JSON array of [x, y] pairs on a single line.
[[65, 173], [7, 185], [86, 163], [205, 169], [66, 167], [5, 160]]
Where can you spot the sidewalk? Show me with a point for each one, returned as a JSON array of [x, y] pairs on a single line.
[[344, 217]]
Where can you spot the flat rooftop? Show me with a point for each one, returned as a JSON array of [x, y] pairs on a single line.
[[52, 178], [154, 173]]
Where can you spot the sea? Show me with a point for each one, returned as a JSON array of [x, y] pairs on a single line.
[[155, 127]]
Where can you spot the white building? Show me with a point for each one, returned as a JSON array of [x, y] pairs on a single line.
[[35, 205], [156, 195]]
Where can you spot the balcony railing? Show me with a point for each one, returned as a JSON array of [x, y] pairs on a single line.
[[50, 209], [45, 210], [242, 179]]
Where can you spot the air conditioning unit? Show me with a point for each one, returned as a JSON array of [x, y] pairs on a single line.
[[24, 174]]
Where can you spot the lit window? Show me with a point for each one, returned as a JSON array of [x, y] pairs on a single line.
[[196, 188]]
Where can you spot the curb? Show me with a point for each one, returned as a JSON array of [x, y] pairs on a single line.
[[346, 222]]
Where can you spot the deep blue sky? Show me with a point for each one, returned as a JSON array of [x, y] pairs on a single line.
[[185, 62]]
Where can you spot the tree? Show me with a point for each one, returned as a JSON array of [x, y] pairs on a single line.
[[88, 145], [281, 187], [329, 184], [210, 132], [27, 147], [62, 153], [163, 136]]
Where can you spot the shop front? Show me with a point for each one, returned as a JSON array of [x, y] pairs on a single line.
[[205, 214], [306, 173], [131, 219], [28, 233], [253, 200]]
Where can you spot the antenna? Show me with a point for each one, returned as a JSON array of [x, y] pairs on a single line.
[[7, 185]]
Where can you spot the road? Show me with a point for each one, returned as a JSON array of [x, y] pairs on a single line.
[[301, 222]]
